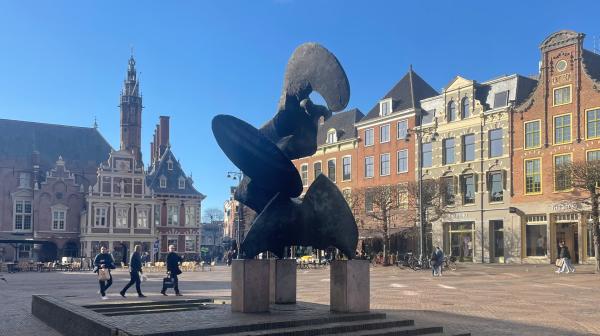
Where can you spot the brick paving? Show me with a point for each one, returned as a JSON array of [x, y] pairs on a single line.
[[484, 299]]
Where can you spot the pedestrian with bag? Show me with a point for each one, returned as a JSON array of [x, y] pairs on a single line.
[[173, 270], [103, 263], [564, 254], [437, 258], [135, 269]]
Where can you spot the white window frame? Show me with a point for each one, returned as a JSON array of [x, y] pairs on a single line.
[[181, 182], [191, 215], [142, 216], [170, 165], [373, 164], [172, 215], [381, 156], [23, 215], [343, 165], [331, 136], [369, 137], [383, 111], [398, 136], [163, 182], [381, 139], [304, 174], [121, 216], [59, 216], [100, 212], [398, 161]]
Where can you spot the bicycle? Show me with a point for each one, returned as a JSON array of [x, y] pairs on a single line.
[[450, 262]]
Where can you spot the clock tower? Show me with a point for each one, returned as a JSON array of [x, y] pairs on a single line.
[[131, 113]]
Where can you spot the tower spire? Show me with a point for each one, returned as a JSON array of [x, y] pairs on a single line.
[[131, 112]]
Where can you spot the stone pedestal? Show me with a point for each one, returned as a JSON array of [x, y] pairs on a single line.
[[250, 285], [349, 286], [282, 281]]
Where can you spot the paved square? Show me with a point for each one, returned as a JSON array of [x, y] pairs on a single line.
[[483, 299]]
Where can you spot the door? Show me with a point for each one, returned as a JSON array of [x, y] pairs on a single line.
[[567, 232], [497, 237]]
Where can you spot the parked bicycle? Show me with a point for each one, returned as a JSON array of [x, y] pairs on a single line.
[[450, 262]]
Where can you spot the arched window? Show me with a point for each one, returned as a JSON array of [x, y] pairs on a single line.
[[331, 136], [466, 112], [451, 114]]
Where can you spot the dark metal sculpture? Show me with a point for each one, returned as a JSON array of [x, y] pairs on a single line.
[[271, 181]]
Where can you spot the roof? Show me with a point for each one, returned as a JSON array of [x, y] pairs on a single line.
[[80, 147], [591, 64], [343, 123], [405, 94], [161, 168]]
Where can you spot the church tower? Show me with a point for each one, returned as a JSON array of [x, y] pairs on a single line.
[[131, 113]]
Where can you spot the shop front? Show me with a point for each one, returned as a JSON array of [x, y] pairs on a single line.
[[459, 240]]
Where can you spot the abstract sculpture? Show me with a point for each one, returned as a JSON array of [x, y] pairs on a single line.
[[271, 183]]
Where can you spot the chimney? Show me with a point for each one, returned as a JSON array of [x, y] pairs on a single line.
[[163, 134], [152, 152]]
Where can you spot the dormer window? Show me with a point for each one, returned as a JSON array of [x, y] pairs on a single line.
[[163, 182], [331, 136], [170, 165], [451, 112], [182, 183], [385, 107]]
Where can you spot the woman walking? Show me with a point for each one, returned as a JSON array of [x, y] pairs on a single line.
[[135, 269], [564, 254], [173, 260], [103, 263]]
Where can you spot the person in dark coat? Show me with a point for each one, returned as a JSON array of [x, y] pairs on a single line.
[[565, 255], [437, 259], [173, 261], [135, 269], [105, 261]]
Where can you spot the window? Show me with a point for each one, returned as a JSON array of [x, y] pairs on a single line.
[[304, 174], [464, 108], [137, 186], [593, 123], [593, 155], [536, 235], [22, 215], [468, 147], [448, 189], [369, 137], [142, 219], [403, 161], [331, 169], [173, 215], [58, 219], [190, 215], [170, 165], [25, 251], [533, 176], [427, 116], [163, 182], [496, 142], [121, 216], [468, 189], [190, 243], [448, 151], [451, 111], [562, 175], [402, 129], [426, 158], [385, 107], [157, 215], [384, 135], [24, 180], [532, 134], [500, 99], [181, 182], [346, 168], [562, 129], [173, 241], [331, 136], [369, 169], [100, 217], [384, 164], [562, 95], [496, 186], [317, 169]]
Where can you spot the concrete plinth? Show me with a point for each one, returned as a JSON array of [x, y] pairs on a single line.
[[282, 281], [250, 285], [349, 286]]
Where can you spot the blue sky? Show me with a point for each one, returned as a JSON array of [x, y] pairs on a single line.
[[64, 61]]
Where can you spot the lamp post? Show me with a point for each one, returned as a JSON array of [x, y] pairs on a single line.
[[237, 175], [419, 131]]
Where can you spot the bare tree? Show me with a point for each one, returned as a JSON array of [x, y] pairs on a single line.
[[585, 176], [379, 209], [212, 215]]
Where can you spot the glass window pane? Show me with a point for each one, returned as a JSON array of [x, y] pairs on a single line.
[[501, 99], [403, 161], [536, 238], [448, 153], [465, 108], [347, 168], [469, 147], [317, 168], [593, 123], [385, 133], [369, 169], [496, 187], [331, 170], [562, 129], [402, 128], [369, 137], [384, 164], [427, 116], [496, 142], [562, 177], [532, 134], [451, 111], [426, 158]]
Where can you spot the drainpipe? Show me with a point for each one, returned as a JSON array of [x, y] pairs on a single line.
[[481, 191]]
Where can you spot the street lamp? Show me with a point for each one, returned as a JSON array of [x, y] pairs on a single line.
[[237, 175], [419, 131]]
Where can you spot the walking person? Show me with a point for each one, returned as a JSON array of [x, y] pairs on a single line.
[[564, 254], [105, 262], [173, 261], [437, 258], [135, 269]]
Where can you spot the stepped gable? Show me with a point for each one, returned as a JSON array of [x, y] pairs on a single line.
[[343, 123], [406, 94], [80, 147]]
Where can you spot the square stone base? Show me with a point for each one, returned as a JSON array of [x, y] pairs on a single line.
[[282, 281], [350, 286], [250, 285]]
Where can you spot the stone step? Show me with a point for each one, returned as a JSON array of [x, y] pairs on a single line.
[[334, 328], [146, 303], [397, 331], [132, 308]]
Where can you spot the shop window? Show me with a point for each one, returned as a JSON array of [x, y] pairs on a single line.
[[369, 169], [532, 134], [562, 129], [448, 151], [369, 137], [593, 124], [562, 174], [304, 174], [451, 111], [468, 147], [384, 164], [496, 186], [562, 95], [495, 137], [384, 133], [536, 239], [331, 170], [426, 155], [346, 168], [460, 236], [533, 176]]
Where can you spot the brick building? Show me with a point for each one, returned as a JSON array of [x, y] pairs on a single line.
[[558, 123]]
